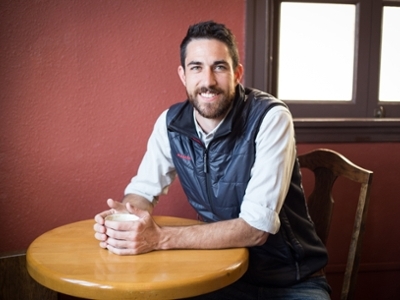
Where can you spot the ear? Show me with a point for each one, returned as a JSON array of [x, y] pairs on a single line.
[[239, 73], [181, 73]]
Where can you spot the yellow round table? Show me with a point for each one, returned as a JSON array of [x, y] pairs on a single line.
[[69, 260]]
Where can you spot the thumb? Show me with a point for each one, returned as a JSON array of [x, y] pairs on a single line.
[[136, 211], [115, 205]]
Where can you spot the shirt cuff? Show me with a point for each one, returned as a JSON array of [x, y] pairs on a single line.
[[259, 217], [143, 190]]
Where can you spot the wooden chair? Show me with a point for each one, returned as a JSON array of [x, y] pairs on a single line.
[[327, 165]]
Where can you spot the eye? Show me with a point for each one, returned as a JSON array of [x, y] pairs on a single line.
[[220, 67], [195, 68]]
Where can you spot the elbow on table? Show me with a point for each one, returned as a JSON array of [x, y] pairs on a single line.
[[255, 236], [261, 238]]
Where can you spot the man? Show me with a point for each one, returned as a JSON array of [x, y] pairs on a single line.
[[234, 152]]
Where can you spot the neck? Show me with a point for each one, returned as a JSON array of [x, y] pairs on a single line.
[[206, 124]]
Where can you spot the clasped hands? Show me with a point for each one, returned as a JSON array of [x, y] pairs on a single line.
[[126, 238]]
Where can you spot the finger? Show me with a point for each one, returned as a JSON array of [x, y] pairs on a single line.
[[119, 244], [101, 237], [125, 227], [136, 211], [129, 236], [99, 228], [100, 218], [110, 203], [103, 245], [115, 205], [115, 250], [121, 251]]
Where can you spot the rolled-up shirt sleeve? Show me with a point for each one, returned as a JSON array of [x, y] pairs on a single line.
[[271, 172], [156, 171]]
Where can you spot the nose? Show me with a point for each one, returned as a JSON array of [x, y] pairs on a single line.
[[209, 77]]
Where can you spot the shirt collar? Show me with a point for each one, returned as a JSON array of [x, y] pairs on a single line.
[[205, 137]]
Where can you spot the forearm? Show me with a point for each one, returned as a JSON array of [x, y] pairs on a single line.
[[218, 235]]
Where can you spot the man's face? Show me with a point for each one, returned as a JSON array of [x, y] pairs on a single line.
[[209, 77]]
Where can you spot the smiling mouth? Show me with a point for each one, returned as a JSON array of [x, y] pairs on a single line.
[[208, 93]]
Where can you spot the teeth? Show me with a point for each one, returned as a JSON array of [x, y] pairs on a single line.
[[207, 95]]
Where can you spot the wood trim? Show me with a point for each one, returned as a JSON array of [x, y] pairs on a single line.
[[342, 130]]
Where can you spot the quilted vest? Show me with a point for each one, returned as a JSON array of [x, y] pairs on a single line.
[[215, 178]]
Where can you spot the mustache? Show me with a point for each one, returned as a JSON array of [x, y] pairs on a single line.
[[212, 90]]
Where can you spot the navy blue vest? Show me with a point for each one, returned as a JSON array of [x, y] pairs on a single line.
[[215, 179]]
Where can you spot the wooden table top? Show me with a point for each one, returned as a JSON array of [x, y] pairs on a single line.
[[69, 260]]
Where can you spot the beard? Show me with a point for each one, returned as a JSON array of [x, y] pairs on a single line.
[[215, 109]]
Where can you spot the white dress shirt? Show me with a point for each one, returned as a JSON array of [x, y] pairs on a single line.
[[270, 174]]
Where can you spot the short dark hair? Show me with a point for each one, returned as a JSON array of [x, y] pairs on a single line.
[[211, 30]]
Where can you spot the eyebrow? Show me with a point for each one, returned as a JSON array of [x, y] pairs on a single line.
[[195, 63], [217, 62]]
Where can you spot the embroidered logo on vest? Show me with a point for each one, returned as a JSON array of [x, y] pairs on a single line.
[[183, 156]]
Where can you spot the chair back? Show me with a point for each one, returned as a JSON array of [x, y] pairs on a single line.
[[327, 165]]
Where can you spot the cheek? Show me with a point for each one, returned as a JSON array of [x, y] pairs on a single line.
[[191, 84]]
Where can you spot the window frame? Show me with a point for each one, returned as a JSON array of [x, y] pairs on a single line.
[[326, 121]]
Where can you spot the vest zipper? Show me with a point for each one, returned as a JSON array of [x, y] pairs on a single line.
[[205, 158], [208, 180]]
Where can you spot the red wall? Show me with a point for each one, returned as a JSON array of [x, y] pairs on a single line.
[[82, 83]]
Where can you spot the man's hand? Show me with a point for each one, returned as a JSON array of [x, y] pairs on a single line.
[[135, 237], [99, 228], [130, 204]]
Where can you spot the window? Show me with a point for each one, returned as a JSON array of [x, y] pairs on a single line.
[[315, 62], [334, 62], [389, 84]]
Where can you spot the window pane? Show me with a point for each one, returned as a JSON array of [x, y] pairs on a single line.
[[389, 86], [316, 51]]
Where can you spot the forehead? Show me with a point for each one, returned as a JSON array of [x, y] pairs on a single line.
[[205, 50]]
